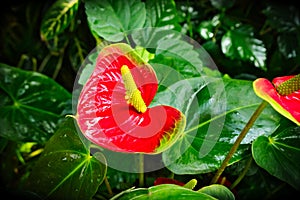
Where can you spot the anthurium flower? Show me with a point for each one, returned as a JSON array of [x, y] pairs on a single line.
[[113, 108], [283, 94]]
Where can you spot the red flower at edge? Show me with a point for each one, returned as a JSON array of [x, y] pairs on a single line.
[[113, 111], [283, 94]]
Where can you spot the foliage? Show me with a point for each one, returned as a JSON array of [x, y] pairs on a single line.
[[45, 43]]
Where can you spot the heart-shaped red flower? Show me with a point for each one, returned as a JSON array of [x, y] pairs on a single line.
[[113, 111], [283, 94]]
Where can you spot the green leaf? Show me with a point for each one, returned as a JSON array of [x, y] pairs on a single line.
[[283, 18], [88, 66], [288, 44], [177, 56], [112, 20], [218, 191], [161, 22], [279, 154], [31, 104], [216, 112], [144, 54], [261, 185], [77, 53], [206, 28], [58, 18], [66, 170], [240, 44], [235, 67], [162, 13], [163, 191], [121, 180], [57, 44]]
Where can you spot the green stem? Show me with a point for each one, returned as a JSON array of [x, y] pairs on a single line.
[[108, 186], [239, 139], [21, 61], [58, 66], [44, 62], [20, 157], [242, 175], [141, 170], [277, 189], [127, 39]]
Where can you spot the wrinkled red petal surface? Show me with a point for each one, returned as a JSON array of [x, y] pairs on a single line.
[[106, 119], [287, 105]]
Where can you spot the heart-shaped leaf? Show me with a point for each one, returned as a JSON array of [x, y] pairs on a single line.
[[66, 170], [218, 191], [31, 104], [214, 120], [279, 154]]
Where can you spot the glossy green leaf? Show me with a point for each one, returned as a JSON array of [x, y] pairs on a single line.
[[162, 13], [163, 191], [215, 117], [58, 18], [66, 169], [279, 154], [234, 66], [161, 22], [240, 44], [177, 57], [206, 29], [112, 19], [31, 104], [218, 191]]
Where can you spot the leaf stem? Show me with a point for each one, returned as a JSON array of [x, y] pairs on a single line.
[[239, 139], [243, 173], [44, 62], [127, 39], [108, 186], [58, 66]]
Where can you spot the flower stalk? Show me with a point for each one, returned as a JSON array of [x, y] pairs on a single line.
[[141, 170], [238, 141]]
